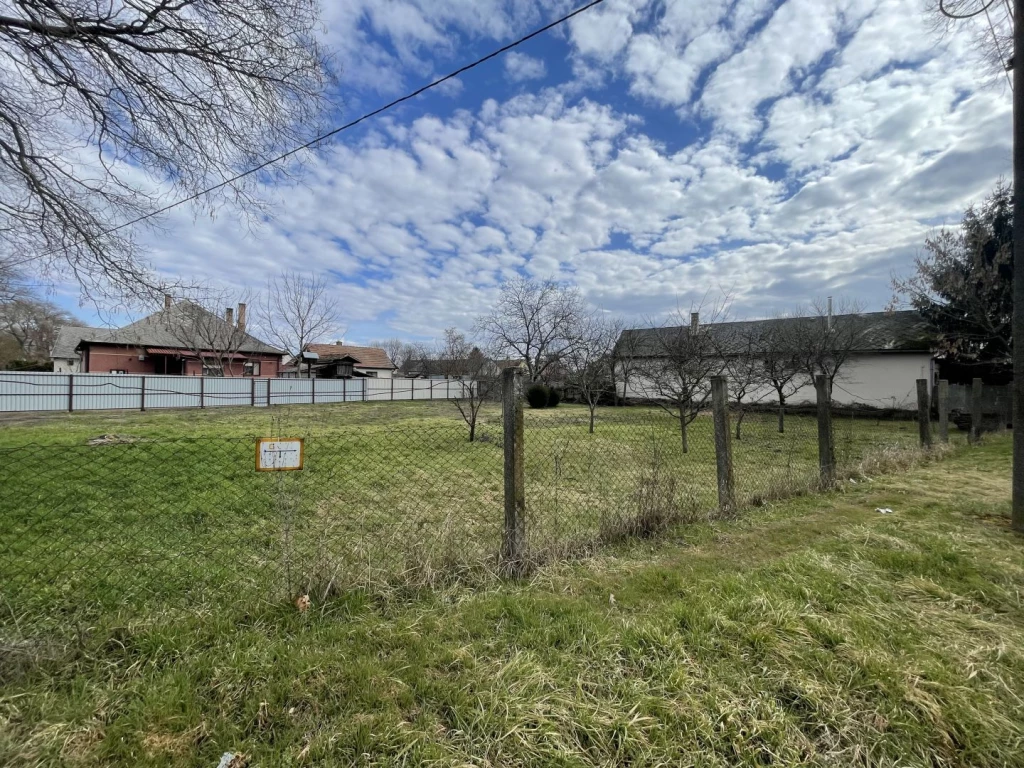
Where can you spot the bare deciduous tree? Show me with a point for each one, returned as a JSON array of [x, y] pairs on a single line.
[[398, 351], [216, 341], [296, 311], [989, 23], [33, 325], [739, 347], [458, 358], [190, 93], [589, 363], [625, 361], [677, 369], [827, 337], [781, 365], [536, 321]]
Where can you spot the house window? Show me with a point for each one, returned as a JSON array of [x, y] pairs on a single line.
[[251, 368], [211, 370], [370, 374], [118, 371]]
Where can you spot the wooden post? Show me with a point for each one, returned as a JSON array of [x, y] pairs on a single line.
[[924, 416], [202, 391], [723, 445], [826, 445], [943, 410], [252, 393], [71, 392], [142, 393], [976, 393], [514, 539]]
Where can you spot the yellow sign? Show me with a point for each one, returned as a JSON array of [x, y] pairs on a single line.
[[279, 454]]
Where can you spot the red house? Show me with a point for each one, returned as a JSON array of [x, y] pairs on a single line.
[[182, 339]]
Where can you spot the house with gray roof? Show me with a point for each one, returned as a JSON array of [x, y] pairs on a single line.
[[182, 339], [887, 353]]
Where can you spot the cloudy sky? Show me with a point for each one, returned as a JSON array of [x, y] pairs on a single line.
[[650, 151]]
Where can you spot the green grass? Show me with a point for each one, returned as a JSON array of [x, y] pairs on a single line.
[[392, 493], [813, 631]]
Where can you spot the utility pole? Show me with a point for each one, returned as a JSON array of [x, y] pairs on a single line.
[[1017, 520]]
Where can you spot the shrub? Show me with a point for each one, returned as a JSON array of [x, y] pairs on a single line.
[[553, 398], [537, 395]]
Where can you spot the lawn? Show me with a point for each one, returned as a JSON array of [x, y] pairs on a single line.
[[811, 631], [169, 510]]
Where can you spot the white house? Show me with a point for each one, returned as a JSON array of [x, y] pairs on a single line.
[[64, 354], [890, 351]]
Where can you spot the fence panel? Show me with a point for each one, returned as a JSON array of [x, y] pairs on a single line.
[[93, 391], [34, 391], [107, 392], [174, 391]]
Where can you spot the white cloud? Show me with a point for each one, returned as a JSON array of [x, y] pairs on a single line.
[[520, 67]]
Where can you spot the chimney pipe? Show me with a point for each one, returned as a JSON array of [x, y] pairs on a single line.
[[694, 321], [829, 325], [241, 316], [229, 316], [167, 301]]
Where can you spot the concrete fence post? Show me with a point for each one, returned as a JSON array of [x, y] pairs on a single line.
[[977, 389], [826, 443], [723, 445], [943, 399], [924, 417], [514, 539]]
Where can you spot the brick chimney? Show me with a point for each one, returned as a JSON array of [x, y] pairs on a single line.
[[167, 301], [241, 317], [229, 316]]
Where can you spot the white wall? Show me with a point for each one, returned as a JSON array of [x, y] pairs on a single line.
[[882, 380], [382, 373], [67, 365]]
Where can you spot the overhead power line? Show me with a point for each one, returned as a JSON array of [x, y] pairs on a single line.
[[351, 124]]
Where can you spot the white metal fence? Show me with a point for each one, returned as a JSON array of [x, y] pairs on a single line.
[[100, 391]]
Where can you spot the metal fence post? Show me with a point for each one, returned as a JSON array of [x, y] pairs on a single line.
[[142, 393], [202, 391], [392, 386], [943, 398], [71, 392], [723, 445], [268, 393], [344, 390], [312, 391], [976, 394], [514, 539], [924, 420], [252, 394], [826, 443]]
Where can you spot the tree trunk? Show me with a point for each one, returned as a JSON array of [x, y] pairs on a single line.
[[782, 414], [682, 429], [739, 424], [472, 429], [592, 419]]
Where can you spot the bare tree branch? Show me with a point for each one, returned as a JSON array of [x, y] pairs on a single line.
[[296, 311], [187, 92]]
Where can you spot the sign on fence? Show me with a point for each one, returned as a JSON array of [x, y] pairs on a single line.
[[278, 454]]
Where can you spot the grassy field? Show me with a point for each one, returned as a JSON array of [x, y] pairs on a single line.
[[170, 510], [813, 631]]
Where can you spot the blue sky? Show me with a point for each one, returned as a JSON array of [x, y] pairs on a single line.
[[651, 152]]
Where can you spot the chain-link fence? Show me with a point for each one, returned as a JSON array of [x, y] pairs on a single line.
[[126, 524]]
